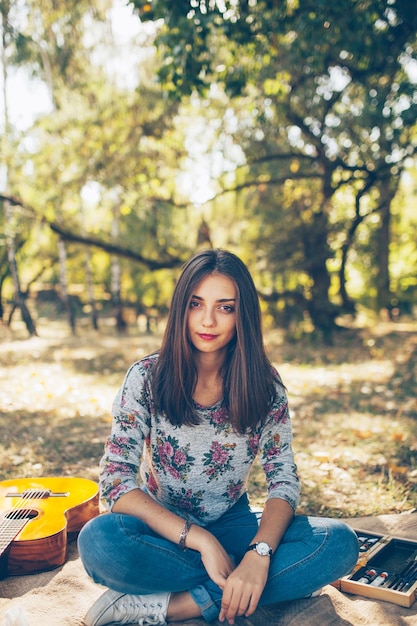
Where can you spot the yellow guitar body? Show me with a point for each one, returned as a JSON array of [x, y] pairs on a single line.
[[38, 516]]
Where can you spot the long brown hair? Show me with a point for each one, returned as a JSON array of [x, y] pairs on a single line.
[[248, 382]]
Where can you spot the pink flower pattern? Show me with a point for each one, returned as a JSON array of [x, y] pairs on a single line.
[[198, 472], [218, 459]]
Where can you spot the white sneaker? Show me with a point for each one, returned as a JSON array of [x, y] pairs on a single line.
[[114, 607]]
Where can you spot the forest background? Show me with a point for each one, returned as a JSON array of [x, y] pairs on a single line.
[[283, 131]]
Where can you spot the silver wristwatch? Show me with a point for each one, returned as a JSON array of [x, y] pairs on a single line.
[[262, 548]]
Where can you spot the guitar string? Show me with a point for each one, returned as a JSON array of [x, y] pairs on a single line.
[[19, 511]]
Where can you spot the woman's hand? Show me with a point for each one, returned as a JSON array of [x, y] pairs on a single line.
[[244, 587], [217, 562]]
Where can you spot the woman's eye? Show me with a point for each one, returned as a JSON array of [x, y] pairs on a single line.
[[227, 308], [194, 304]]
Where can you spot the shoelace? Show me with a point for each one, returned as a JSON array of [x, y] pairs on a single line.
[[153, 615]]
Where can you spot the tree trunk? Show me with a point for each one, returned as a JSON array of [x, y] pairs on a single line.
[[321, 310], [116, 274], [19, 298], [63, 282], [89, 281], [347, 304], [383, 288], [90, 290]]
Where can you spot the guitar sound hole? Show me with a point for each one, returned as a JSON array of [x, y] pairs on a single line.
[[21, 514]]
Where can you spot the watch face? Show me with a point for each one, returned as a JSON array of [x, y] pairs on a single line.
[[262, 548]]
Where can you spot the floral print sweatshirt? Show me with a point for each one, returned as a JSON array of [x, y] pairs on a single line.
[[197, 472]]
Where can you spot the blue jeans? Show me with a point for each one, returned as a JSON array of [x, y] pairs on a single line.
[[123, 553]]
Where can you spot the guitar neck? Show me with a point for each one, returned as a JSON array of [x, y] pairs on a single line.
[[9, 529]]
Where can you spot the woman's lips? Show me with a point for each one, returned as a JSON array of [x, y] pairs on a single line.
[[206, 337]]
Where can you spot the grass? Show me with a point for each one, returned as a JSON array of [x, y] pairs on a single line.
[[353, 407]]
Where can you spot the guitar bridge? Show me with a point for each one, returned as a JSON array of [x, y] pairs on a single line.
[[38, 495]]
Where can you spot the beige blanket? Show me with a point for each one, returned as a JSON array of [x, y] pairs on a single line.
[[62, 597]]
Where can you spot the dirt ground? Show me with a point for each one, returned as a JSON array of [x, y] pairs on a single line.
[[353, 406]]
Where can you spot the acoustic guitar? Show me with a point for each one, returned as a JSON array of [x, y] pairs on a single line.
[[38, 517]]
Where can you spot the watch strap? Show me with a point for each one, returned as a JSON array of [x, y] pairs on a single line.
[[253, 546]]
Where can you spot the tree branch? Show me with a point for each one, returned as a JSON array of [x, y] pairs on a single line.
[[168, 262]]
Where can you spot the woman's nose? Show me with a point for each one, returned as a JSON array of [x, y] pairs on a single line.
[[208, 318]]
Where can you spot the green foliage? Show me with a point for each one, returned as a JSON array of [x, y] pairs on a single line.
[[301, 114], [330, 108], [103, 148]]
